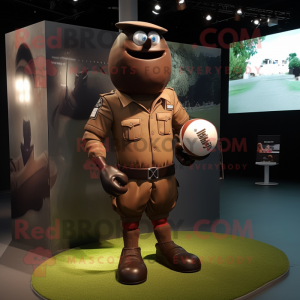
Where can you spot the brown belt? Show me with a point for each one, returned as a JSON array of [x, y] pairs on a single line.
[[148, 174]]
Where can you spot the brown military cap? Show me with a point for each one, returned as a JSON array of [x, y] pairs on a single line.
[[127, 24]]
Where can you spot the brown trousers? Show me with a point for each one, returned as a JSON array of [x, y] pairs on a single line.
[[156, 197]]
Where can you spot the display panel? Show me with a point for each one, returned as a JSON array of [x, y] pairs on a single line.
[[264, 74], [268, 148], [33, 172]]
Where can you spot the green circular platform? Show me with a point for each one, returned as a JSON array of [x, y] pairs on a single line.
[[231, 268]]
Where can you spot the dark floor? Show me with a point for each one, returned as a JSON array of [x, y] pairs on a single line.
[[272, 210], [275, 215]]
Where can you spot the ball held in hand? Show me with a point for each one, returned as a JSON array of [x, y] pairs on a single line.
[[198, 137]]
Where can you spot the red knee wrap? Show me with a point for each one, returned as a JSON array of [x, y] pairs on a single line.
[[159, 223], [130, 225]]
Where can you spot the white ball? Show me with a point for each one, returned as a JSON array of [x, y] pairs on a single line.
[[198, 137]]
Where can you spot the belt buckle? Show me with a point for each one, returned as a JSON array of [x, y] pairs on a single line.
[[153, 173]]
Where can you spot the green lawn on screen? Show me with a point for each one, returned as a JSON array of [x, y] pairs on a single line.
[[241, 88], [293, 85]]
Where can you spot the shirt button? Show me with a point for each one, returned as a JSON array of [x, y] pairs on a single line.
[[130, 124], [154, 149], [151, 117], [166, 118], [152, 132]]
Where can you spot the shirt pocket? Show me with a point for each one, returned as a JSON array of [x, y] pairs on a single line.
[[164, 123], [132, 130]]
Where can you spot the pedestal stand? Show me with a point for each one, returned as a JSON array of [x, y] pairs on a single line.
[[266, 178]]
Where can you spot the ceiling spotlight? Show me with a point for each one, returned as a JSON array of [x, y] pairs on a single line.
[[239, 11], [208, 17], [256, 21], [180, 4], [75, 0], [156, 9], [238, 14]]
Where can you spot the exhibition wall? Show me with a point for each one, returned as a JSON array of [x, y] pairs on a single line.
[[264, 102], [243, 128], [247, 126]]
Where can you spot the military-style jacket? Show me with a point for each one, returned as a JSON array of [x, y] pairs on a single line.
[[142, 138]]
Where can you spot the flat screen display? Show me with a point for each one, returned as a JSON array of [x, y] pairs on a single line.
[[268, 148], [264, 74]]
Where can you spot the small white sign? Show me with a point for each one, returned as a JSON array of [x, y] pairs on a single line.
[[96, 109], [94, 113]]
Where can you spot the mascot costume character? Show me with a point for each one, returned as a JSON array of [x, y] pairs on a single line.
[[143, 116]]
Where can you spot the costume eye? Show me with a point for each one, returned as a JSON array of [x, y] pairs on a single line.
[[140, 37], [154, 37]]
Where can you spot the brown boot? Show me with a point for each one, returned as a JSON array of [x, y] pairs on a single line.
[[173, 256], [131, 269]]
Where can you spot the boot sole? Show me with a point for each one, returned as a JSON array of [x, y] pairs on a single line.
[[161, 260], [132, 283]]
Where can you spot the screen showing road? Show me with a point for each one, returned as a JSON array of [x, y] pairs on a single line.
[[264, 73]]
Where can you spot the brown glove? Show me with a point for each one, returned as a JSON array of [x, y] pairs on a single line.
[[182, 157], [113, 180]]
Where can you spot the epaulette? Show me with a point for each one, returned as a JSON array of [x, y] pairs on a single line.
[[106, 94]]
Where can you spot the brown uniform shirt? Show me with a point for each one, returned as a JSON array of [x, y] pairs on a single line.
[[143, 138]]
